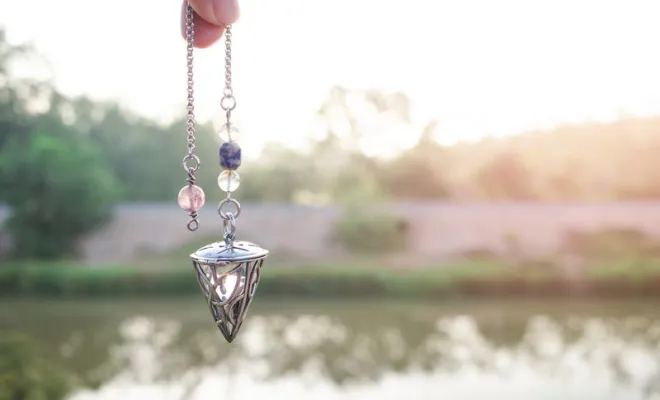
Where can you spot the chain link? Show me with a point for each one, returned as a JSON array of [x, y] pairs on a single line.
[[229, 228], [224, 208]]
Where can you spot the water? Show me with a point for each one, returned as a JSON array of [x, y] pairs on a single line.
[[358, 350]]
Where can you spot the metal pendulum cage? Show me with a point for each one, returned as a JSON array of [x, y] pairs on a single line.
[[228, 273]]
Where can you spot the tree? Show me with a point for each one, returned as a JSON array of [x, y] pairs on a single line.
[[419, 172], [58, 188], [56, 183], [280, 175], [505, 178]]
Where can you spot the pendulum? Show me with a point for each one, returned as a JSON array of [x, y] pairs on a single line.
[[228, 271]]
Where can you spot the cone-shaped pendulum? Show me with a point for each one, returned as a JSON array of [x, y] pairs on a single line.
[[228, 274], [228, 271]]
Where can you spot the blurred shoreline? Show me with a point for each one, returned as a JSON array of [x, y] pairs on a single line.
[[431, 232], [465, 280]]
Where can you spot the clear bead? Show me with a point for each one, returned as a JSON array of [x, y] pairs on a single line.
[[229, 180], [231, 134], [191, 198]]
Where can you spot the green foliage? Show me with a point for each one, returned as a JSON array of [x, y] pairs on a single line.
[[26, 374], [57, 186], [280, 174], [355, 280], [358, 280], [62, 169], [364, 230], [55, 180], [144, 156]]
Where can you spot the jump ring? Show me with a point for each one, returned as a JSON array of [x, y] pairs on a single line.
[[229, 224], [193, 225], [226, 214], [228, 103], [195, 164]]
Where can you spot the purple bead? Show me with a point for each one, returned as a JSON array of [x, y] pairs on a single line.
[[230, 155]]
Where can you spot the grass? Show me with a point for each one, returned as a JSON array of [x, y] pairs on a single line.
[[363, 277], [473, 278]]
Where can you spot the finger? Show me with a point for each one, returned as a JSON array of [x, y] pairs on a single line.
[[205, 33], [210, 17], [217, 12]]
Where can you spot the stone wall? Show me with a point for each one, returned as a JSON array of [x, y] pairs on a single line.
[[436, 230]]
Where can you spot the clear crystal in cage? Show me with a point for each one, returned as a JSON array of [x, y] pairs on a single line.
[[228, 277], [229, 180]]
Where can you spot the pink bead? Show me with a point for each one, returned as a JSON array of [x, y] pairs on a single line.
[[191, 198]]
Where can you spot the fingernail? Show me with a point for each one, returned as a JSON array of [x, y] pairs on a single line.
[[226, 11]]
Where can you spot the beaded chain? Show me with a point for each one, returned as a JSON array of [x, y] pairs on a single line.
[[191, 198]]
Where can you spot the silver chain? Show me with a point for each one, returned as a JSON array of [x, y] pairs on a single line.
[[228, 102], [191, 162], [190, 38]]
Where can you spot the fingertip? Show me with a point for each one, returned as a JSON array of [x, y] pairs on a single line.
[[226, 12], [205, 33], [208, 36]]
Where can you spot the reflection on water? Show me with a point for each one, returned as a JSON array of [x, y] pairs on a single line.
[[355, 350]]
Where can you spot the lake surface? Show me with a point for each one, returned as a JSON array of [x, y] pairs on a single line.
[[170, 349]]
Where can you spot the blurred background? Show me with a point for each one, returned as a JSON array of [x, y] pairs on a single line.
[[460, 199]]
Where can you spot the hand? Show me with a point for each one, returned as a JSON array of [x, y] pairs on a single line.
[[210, 17]]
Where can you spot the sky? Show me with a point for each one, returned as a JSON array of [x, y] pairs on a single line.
[[481, 68]]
